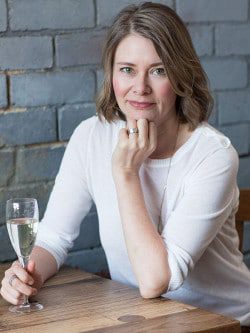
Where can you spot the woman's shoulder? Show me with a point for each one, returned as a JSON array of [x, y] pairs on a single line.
[[212, 142], [211, 155], [97, 126], [214, 139], [206, 141], [213, 135], [87, 125], [95, 134]]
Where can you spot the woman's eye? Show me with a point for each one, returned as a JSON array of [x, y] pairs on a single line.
[[126, 70], [159, 71]]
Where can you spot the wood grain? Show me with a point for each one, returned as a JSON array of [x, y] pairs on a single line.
[[75, 301], [196, 320], [67, 275], [243, 214]]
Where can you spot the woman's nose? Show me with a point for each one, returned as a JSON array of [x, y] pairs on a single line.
[[141, 85]]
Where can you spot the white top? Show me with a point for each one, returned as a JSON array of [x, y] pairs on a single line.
[[200, 201]]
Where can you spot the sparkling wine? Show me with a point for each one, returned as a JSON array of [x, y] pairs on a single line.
[[22, 233]]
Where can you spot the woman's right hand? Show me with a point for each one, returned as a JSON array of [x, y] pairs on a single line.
[[25, 283]]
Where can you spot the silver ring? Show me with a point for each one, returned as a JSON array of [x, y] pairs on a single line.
[[133, 130], [12, 278]]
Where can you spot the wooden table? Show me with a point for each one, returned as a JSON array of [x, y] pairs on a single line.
[[76, 301]]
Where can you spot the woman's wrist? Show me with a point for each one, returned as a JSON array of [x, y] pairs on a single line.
[[125, 175]]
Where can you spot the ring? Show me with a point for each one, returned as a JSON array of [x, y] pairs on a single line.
[[133, 130], [12, 278]]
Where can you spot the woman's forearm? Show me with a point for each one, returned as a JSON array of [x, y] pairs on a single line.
[[146, 250], [45, 262]]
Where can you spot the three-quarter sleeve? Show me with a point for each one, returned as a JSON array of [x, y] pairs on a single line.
[[70, 199], [206, 204]]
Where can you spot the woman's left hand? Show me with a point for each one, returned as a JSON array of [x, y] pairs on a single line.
[[132, 149]]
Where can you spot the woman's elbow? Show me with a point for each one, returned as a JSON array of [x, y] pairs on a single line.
[[153, 290]]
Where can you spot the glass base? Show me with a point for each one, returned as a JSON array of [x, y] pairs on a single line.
[[31, 307]]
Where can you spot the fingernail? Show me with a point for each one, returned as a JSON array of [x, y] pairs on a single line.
[[31, 282]]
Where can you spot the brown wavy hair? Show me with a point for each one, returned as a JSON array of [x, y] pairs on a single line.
[[172, 42]]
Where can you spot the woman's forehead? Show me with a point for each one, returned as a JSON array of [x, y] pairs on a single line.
[[134, 47]]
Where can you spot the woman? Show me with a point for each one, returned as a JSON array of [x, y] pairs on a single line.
[[162, 179]]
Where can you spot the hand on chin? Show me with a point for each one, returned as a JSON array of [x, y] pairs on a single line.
[[137, 116]]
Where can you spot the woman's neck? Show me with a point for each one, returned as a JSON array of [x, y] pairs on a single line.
[[170, 139]]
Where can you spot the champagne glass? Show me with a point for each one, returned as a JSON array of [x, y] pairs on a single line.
[[22, 223]]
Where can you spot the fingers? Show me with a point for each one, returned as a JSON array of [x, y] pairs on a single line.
[[147, 136], [19, 287], [142, 125], [131, 123], [10, 290], [10, 298], [132, 149], [31, 266], [22, 275], [152, 136]]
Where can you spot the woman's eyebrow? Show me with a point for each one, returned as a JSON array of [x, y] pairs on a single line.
[[125, 63], [131, 64]]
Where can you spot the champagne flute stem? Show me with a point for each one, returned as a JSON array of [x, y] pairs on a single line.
[[24, 262]]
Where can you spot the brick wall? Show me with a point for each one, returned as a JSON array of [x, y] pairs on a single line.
[[49, 74]]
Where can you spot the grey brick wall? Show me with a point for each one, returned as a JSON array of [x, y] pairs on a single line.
[[38, 164], [3, 15], [25, 52], [226, 74], [3, 91], [213, 10], [6, 166], [35, 89], [71, 48], [50, 72], [46, 14], [70, 116], [22, 127], [106, 9]]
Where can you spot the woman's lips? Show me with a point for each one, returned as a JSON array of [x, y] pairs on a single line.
[[141, 105]]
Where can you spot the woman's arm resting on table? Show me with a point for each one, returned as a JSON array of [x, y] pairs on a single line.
[[146, 250]]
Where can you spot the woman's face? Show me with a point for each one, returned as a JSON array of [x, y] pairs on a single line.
[[141, 86]]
